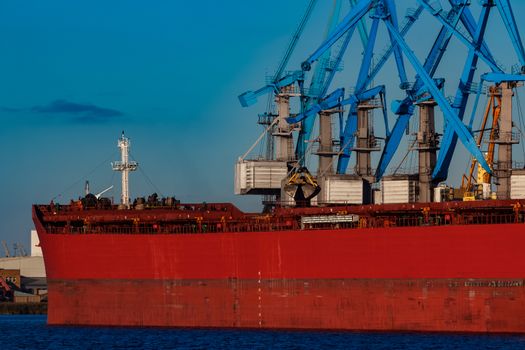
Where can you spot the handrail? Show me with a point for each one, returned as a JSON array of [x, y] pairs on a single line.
[[240, 226]]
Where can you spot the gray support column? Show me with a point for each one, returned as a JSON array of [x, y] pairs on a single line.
[[427, 146], [504, 141], [325, 152], [365, 142], [283, 133]]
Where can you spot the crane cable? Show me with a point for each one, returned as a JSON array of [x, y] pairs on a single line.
[[105, 161], [259, 139], [141, 169], [521, 127]]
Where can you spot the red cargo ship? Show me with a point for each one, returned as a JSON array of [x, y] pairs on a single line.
[[424, 258], [453, 266], [446, 266]]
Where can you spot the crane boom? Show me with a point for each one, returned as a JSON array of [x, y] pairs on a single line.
[[249, 98], [462, 95], [494, 105], [451, 117], [295, 39]]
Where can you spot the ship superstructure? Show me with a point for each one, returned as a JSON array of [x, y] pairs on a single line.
[[124, 166]]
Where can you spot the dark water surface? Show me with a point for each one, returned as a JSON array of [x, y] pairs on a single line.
[[31, 332]]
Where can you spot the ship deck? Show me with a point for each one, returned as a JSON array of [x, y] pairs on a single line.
[[225, 217]]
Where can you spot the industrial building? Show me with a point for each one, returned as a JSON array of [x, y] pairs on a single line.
[[23, 278]]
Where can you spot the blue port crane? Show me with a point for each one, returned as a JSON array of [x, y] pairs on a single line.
[[366, 73], [384, 10], [278, 81], [327, 66], [458, 23], [404, 109], [449, 139], [249, 98], [323, 75], [411, 17]]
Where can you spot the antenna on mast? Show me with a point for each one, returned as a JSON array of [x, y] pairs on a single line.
[[124, 166]]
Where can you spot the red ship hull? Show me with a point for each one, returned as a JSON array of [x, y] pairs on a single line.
[[456, 305], [440, 278]]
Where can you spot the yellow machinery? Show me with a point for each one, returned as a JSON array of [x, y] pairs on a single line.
[[473, 185], [301, 186]]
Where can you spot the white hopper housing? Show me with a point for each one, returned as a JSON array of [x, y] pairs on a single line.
[[517, 184], [342, 189], [259, 176], [399, 189]]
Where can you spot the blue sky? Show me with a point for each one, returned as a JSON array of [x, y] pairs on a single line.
[[74, 74]]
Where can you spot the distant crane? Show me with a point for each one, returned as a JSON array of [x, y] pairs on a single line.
[[19, 249], [469, 182], [6, 250], [499, 103]]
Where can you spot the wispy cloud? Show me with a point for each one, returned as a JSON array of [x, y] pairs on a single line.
[[9, 109], [86, 113], [76, 112]]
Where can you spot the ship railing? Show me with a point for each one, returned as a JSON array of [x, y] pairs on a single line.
[[57, 208], [490, 219], [461, 219], [184, 228], [291, 224]]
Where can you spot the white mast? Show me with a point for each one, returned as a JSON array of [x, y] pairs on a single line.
[[124, 166]]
